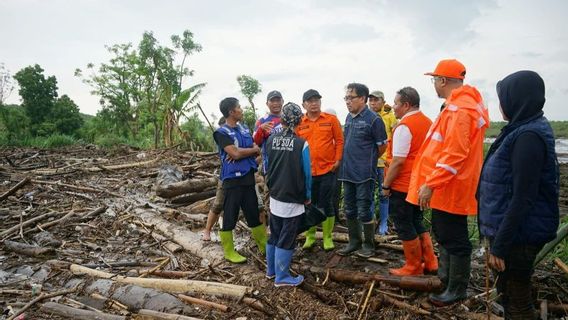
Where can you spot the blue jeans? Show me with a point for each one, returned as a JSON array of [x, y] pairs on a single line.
[[383, 213], [357, 200]]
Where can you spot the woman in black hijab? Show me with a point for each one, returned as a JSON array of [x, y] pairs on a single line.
[[518, 191]]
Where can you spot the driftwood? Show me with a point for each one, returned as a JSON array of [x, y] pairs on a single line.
[[14, 188], [168, 285], [257, 305], [190, 241], [187, 186], [194, 197], [73, 313], [119, 166], [28, 222], [415, 283], [144, 314], [205, 303], [70, 186], [26, 249], [384, 299], [41, 297]]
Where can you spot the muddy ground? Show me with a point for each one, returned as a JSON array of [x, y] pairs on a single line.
[[83, 179]]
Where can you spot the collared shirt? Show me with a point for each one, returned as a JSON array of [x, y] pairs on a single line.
[[326, 141], [363, 134], [390, 122]]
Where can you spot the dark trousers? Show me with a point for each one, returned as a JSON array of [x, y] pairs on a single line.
[[337, 197], [514, 284], [242, 197], [323, 188], [407, 218], [357, 199], [283, 231], [451, 232]]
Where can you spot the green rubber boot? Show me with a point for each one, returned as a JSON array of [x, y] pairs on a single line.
[[229, 247], [259, 236], [327, 227], [310, 238]]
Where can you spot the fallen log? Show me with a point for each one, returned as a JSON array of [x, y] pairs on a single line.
[[26, 249], [384, 299], [205, 303], [190, 241], [415, 283], [144, 314], [73, 313], [187, 186], [344, 237], [168, 285], [194, 197], [41, 297], [14, 188], [70, 186], [118, 166]]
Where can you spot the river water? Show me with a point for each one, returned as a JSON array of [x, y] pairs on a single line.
[[561, 148]]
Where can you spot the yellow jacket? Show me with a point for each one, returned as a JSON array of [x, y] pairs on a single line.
[[390, 122]]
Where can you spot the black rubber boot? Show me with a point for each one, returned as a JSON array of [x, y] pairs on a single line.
[[443, 266], [368, 249], [458, 279], [354, 227]]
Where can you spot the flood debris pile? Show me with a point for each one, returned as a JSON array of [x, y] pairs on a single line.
[[96, 234]]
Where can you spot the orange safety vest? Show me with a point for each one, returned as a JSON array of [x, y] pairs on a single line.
[[450, 159], [418, 124]]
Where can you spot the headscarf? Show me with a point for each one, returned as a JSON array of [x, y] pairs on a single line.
[[291, 116], [521, 95]]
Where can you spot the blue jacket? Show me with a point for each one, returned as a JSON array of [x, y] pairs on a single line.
[[495, 189], [363, 134], [242, 139]]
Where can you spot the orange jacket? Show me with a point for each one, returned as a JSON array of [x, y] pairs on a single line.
[[418, 124], [325, 138], [450, 159]]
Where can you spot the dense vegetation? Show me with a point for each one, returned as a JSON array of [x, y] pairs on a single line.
[[146, 95]]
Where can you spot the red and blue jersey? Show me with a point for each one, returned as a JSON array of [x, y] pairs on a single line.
[[260, 135]]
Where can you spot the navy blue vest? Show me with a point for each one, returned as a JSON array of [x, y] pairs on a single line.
[[242, 138], [495, 189]]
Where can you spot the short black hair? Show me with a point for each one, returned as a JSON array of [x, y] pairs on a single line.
[[410, 95], [228, 104], [360, 89]]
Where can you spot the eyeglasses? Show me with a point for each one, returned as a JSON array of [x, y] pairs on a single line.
[[433, 79], [349, 98]]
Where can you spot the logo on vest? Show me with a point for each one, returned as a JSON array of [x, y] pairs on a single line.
[[283, 143]]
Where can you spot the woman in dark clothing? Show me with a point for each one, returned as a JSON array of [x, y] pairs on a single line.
[[518, 191]]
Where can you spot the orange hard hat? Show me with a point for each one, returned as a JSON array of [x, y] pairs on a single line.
[[450, 68]]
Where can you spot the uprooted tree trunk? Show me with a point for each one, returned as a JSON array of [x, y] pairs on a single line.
[[187, 186], [74, 313], [190, 241]]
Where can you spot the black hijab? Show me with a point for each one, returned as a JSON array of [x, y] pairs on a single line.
[[521, 95]]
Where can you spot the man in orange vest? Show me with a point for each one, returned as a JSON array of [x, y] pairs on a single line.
[[402, 150], [446, 173]]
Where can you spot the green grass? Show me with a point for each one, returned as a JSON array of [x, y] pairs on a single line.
[[560, 129]]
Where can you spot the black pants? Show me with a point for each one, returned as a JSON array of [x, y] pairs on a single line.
[[514, 284], [283, 231], [451, 232], [242, 197], [323, 188], [407, 218]]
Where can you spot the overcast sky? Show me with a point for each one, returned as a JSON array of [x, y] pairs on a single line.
[[296, 45]]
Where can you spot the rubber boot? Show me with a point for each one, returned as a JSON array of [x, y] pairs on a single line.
[[413, 256], [368, 249], [458, 280], [229, 248], [444, 266], [270, 273], [518, 301], [428, 255], [354, 228], [283, 258], [327, 227], [310, 238], [259, 236]]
